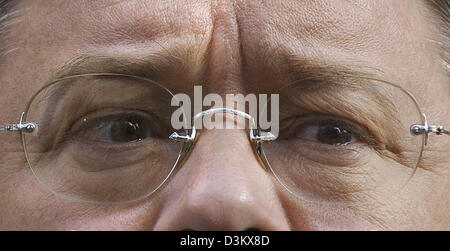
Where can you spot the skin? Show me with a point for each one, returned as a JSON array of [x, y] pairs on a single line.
[[226, 189]]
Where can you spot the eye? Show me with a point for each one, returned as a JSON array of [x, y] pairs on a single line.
[[326, 132], [325, 129], [125, 127]]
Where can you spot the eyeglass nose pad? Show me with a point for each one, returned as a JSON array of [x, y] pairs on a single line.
[[183, 138], [260, 136]]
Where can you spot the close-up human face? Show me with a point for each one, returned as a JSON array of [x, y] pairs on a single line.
[[358, 92]]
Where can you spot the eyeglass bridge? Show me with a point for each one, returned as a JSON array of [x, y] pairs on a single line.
[[255, 135]]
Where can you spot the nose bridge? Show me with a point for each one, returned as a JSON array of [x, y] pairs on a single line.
[[224, 188], [224, 59], [232, 145], [222, 157]]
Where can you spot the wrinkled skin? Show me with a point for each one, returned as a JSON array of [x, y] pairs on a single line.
[[226, 188]]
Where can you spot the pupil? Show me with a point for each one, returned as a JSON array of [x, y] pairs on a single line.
[[334, 135], [127, 131]]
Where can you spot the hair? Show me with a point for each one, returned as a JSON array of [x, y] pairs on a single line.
[[440, 9], [7, 15]]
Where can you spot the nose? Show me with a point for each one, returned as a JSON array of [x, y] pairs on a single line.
[[222, 186]]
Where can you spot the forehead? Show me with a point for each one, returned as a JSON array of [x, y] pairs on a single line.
[[379, 34], [339, 23]]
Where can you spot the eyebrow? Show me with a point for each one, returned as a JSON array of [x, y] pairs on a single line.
[[297, 67], [149, 67], [153, 65]]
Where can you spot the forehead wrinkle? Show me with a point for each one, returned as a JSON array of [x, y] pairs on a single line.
[[316, 19], [122, 22], [355, 25], [377, 33], [68, 29], [146, 22]]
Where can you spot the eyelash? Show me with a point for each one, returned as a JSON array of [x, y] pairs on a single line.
[[289, 127]]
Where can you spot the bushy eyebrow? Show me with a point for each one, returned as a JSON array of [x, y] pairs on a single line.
[[148, 66], [157, 63]]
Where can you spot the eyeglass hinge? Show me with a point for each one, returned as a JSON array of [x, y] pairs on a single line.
[[27, 127], [421, 129], [425, 129]]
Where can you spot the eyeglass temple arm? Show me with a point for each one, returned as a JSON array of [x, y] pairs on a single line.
[[22, 127], [425, 129]]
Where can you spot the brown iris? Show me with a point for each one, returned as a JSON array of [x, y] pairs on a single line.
[[333, 135], [127, 130]]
